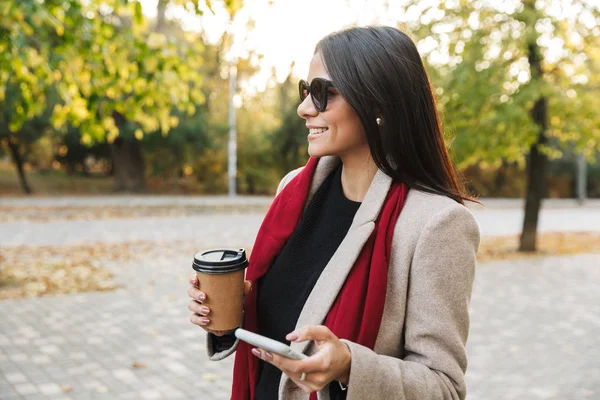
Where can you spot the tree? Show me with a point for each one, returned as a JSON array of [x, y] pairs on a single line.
[[113, 75], [513, 79]]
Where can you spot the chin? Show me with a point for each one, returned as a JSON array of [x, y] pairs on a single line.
[[315, 151]]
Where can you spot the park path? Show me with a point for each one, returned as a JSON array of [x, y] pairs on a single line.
[[500, 218], [534, 332]]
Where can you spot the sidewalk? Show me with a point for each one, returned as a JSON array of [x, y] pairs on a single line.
[[534, 327]]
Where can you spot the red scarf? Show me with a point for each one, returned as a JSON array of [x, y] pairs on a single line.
[[357, 311]]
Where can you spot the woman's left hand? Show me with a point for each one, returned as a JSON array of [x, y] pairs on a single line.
[[330, 363]]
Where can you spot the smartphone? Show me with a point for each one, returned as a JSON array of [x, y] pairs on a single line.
[[268, 344]]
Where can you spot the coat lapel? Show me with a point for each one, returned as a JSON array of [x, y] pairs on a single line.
[[334, 275]]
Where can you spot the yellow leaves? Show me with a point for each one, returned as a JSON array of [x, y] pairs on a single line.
[[124, 71], [197, 96], [164, 121], [79, 109], [56, 75], [33, 58], [173, 121], [156, 41], [190, 110], [108, 123], [555, 121], [139, 134], [111, 93], [150, 64], [112, 135], [59, 116], [139, 85], [60, 30]]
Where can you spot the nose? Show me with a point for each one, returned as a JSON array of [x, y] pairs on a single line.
[[307, 109]]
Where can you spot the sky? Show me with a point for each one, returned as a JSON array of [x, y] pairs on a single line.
[[287, 31], [284, 32]]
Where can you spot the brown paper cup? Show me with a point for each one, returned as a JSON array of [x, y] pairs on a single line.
[[220, 274], [224, 296]]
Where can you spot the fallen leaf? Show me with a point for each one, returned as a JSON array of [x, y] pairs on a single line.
[[138, 365]]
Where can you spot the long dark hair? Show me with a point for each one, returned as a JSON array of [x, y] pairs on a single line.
[[379, 72]]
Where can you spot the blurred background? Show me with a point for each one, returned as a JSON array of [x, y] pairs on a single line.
[[135, 133]]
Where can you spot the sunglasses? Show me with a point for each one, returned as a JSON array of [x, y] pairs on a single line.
[[318, 89]]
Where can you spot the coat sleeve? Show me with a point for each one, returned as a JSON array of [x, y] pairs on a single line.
[[436, 322], [213, 342]]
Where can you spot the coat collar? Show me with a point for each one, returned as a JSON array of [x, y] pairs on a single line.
[[337, 269], [374, 198]]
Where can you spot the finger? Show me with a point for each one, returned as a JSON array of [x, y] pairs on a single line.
[[247, 287], [198, 308], [311, 332], [194, 281], [199, 320], [311, 382], [196, 294], [291, 367]]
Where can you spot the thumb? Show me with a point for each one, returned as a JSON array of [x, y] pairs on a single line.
[[247, 287]]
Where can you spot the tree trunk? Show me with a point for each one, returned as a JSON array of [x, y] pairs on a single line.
[[500, 180], [536, 164], [18, 160], [128, 165], [160, 15]]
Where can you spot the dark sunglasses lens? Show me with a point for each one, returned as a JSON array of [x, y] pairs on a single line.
[[317, 91], [303, 89]]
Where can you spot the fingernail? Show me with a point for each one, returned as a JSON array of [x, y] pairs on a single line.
[[201, 297], [256, 352], [268, 356], [205, 320], [205, 310], [292, 336]]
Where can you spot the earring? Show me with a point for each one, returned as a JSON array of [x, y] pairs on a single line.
[[378, 120]]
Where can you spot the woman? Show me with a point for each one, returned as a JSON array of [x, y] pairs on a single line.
[[366, 258]]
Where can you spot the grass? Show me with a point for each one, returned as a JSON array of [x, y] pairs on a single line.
[[52, 182]]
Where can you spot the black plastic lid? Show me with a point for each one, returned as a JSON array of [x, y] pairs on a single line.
[[220, 261]]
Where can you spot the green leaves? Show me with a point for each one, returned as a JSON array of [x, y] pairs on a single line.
[[103, 59], [486, 88]]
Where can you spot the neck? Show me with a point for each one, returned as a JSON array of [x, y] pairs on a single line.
[[358, 172]]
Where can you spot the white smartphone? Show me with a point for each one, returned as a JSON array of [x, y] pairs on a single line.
[[268, 344]]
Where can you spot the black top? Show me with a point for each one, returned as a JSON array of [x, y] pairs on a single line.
[[284, 289]]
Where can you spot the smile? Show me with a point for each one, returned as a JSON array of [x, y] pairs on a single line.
[[314, 133]]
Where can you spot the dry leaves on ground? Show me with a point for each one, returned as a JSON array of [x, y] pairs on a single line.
[[549, 244], [30, 271]]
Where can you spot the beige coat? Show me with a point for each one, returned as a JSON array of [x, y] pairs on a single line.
[[420, 349]]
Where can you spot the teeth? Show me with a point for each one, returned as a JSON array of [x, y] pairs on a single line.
[[316, 131]]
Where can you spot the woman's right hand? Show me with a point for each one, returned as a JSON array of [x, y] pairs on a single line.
[[200, 312]]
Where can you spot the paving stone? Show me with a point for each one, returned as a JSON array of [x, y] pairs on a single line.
[[49, 389], [15, 377], [25, 388], [533, 334]]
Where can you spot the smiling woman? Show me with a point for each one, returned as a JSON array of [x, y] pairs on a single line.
[[365, 260]]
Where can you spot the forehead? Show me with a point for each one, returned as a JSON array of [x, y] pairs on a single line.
[[317, 68]]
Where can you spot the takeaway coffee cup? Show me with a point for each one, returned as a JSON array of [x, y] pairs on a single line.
[[221, 276]]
